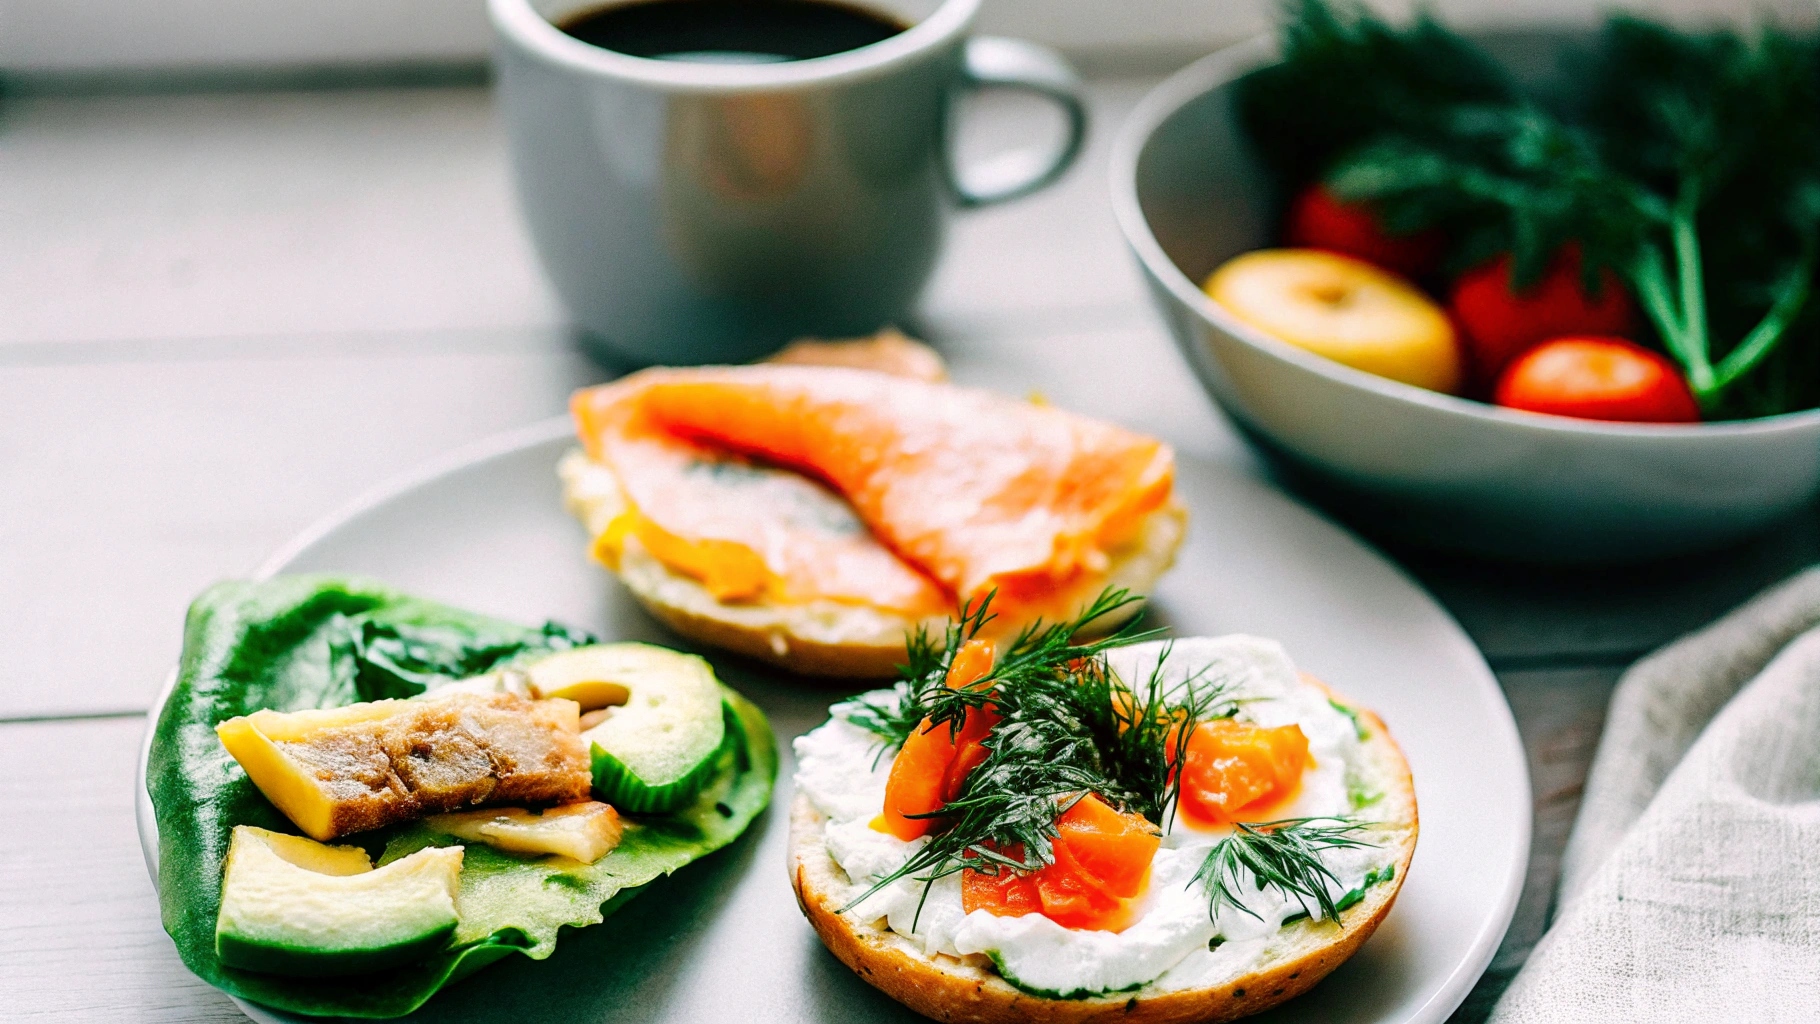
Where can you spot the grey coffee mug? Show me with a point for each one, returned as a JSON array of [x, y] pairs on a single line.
[[692, 212]]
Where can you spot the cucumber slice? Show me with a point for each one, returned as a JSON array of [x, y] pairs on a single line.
[[293, 906], [660, 746]]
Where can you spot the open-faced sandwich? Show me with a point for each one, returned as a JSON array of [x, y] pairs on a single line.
[[814, 515], [363, 797], [1042, 828]]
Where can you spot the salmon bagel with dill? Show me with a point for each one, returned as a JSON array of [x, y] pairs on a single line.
[[1057, 828]]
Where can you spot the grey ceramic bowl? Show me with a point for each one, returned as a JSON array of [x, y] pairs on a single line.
[[1419, 466]]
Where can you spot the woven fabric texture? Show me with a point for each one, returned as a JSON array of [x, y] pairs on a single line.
[[1690, 888]]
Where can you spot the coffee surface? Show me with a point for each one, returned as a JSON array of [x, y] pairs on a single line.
[[730, 31]]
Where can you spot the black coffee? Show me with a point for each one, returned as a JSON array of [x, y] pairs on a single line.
[[730, 31]]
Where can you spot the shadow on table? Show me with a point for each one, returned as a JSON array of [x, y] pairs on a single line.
[[838, 994], [1540, 616]]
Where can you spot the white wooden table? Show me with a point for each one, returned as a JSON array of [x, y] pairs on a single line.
[[223, 315]]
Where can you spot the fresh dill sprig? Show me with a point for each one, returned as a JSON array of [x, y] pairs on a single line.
[[893, 718], [1037, 648], [1284, 855], [880, 714], [1066, 727], [1040, 653], [1142, 733]]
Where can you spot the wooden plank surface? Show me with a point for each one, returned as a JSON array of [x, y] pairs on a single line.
[[248, 215], [1608, 615], [367, 212], [132, 485], [82, 940]]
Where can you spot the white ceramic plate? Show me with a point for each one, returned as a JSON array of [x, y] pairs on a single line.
[[723, 940]]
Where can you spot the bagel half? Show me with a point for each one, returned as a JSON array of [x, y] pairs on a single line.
[[947, 988], [889, 351], [820, 638]]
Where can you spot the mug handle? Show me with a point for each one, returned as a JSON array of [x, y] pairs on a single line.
[[994, 62]]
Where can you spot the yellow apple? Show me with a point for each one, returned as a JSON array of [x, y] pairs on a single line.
[[1345, 309]]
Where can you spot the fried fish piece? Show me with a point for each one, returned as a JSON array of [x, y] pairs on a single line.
[[341, 770]]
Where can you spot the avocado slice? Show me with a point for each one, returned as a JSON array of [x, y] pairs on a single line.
[[658, 747], [296, 907]]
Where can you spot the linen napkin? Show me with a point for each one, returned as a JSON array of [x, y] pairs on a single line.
[[1690, 888]]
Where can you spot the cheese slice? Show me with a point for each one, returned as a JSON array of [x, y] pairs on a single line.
[[585, 831]]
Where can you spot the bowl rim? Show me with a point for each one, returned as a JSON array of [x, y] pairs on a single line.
[[1224, 66]]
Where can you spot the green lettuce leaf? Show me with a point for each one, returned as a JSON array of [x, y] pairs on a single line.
[[311, 642]]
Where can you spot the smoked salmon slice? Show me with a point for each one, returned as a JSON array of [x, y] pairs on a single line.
[[973, 490], [747, 532]]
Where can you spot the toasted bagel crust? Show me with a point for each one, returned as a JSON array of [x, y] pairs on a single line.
[[824, 638], [860, 658], [968, 989]]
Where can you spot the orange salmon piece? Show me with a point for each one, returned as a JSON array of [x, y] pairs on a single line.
[[977, 490], [970, 664], [932, 766], [746, 532], [1116, 849], [1073, 898], [1006, 894], [917, 780], [1102, 864], [1232, 766]]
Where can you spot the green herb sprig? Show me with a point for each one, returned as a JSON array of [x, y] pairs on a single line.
[[1690, 167], [1065, 729], [894, 717], [1284, 855]]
